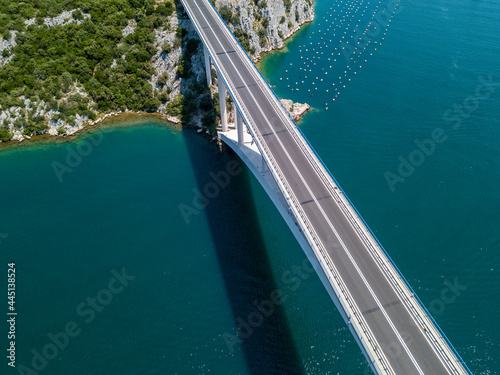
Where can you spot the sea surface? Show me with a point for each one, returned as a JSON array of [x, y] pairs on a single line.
[[122, 268]]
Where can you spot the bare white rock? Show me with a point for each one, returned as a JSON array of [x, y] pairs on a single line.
[[296, 110]]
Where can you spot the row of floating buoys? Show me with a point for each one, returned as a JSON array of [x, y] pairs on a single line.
[[347, 35]]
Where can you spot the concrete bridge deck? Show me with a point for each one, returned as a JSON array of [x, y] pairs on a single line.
[[392, 327]]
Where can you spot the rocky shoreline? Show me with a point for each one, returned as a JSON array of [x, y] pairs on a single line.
[[166, 80]]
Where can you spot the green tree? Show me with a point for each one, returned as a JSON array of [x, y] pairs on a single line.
[[5, 134], [163, 79], [66, 81], [226, 13]]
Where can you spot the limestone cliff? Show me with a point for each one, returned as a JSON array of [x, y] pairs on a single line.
[[178, 78], [265, 24]]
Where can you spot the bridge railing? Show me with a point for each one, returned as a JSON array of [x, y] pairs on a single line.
[[427, 322], [380, 255], [308, 230], [359, 325]]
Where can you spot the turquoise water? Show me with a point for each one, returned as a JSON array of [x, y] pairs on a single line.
[[443, 221], [75, 214]]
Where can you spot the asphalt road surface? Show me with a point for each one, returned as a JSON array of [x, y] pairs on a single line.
[[404, 344]]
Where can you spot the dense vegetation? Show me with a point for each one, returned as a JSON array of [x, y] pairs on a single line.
[[99, 60], [48, 61]]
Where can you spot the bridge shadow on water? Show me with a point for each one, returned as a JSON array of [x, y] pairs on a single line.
[[243, 259], [241, 252]]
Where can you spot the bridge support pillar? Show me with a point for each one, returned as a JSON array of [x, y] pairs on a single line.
[[222, 102], [208, 67], [239, 125]]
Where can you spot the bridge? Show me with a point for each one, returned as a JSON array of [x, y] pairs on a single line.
[[392, 327]]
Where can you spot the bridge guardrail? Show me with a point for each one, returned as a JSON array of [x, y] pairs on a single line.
[[307, 228], [299, 214], [302, 141], [425, 322]]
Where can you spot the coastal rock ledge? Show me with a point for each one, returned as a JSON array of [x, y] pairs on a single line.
[[296, 110]]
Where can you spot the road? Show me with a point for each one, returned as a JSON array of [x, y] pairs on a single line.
[[396, 328]]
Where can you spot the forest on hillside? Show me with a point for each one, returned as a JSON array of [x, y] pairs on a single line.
[[89, 51]]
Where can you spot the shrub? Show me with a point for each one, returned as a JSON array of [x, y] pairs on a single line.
[[208, 119], [288, 5], [235, 19], [177, 42], [180, 71], [166, 47], [226, 13], [19, 123], [36, 125], [191, 47], [244, 39], [77, 15], [206, 103], [5, 134], [163, 97], [180, 32], [163, 79], [216, 104], [176, 106]]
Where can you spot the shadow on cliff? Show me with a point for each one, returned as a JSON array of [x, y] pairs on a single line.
[[268, 347]]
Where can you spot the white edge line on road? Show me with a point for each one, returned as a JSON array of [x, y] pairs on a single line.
[[383, 360], [326, 217], [443, 353]]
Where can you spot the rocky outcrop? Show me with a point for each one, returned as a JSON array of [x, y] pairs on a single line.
[[278, 18], [167, 58], [130, 28], [63, 19], [7, 45], [296, 110], [265, 27]]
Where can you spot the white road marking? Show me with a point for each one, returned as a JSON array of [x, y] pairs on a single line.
[[323, 213]]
